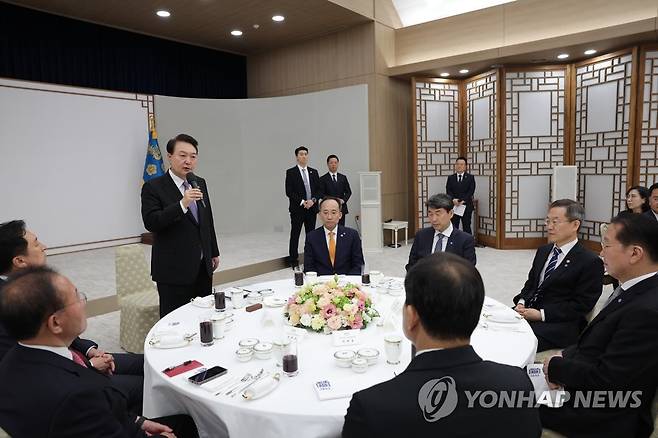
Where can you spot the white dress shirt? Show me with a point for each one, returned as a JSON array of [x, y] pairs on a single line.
[[308, 177], [326, 236], [419, 352], [633, 281], [179, 183], [655, 214], [62, 351], [446, 235]]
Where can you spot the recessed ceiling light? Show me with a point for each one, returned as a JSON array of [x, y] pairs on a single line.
[[463, 71], [162, 13], [278, 18], [445, 74], [590, 52], [236, 32], [563, 56], [256, 26]]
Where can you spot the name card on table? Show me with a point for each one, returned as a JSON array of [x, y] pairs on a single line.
[[295, 333], [343, 338]]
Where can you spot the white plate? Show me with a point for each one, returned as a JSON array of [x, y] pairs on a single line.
[[175, 340], [203, 302], [274, 302], [504, 318]]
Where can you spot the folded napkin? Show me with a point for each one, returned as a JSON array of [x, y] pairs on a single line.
[[262, 387]]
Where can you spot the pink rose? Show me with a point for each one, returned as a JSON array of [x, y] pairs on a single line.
[[334, 322], [328, 311], [358, 322]]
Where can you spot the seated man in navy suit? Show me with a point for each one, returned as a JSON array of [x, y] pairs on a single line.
[[20, 249], [50, 390], [333, 249], [564, 283], [441, 236], [444, 297]]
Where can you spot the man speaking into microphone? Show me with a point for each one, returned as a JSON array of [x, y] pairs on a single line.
[[176, 209]]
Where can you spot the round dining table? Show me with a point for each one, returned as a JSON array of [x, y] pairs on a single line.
[[293, 408]]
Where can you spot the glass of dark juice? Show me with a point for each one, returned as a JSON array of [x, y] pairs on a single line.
[[220, 300], [205, 330], [299, 277], [290, 361]]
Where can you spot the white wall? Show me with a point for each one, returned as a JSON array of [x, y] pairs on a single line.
[[246, 145], [72, 161]]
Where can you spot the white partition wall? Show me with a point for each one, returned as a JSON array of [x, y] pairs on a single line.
[[72, 162], [246, 145], [481, 131], [371, 211], [603, 107], [534, 106], [437, 135], [648, 169]]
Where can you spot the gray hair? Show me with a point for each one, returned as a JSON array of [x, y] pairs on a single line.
[[440, 200], [574, 211]]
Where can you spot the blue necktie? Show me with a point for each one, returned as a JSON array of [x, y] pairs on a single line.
[[307, 186], [552, 264]]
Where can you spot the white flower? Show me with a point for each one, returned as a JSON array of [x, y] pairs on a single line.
[[306, 319], [366, 317]]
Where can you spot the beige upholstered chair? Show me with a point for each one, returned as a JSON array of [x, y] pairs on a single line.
[[3, 434], [547, 433], [138, 297]]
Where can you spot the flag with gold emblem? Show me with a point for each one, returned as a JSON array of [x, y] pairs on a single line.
[[154, 165]]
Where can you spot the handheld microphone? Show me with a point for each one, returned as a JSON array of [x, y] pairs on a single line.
[[191, 179]]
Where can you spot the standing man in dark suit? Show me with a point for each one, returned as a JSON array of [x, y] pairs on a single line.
[[332, 248], [564, 283], [460, 186], [336, 184], [442, 236], [185, 252], [20, 249], [444, 297], [618, 350], [303, 190], [653, 202], [47, 389]]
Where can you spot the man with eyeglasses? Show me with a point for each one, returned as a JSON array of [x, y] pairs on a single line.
[[20, 249], [564, 283], [47, 388]]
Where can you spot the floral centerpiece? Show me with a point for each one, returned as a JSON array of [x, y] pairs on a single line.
[[326, 307]]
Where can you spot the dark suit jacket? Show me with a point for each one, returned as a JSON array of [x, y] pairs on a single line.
[[45, 395], [296, 192], [178, 238], [461, 190], [618, 350], [339, 189], [392, 408], [568, 294], [349, 256], [7, 342], [650, 214], [459, 243]]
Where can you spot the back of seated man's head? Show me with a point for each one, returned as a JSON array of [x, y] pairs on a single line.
[[446, 293], [19, 247], [35, 297]]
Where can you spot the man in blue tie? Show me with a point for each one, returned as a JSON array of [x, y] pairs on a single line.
[[303, 190], [442, 236], [564, 283]]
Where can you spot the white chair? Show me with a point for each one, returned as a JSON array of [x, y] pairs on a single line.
[[654, 415], [138, 298]]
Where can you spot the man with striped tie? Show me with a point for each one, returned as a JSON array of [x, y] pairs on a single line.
[[564, 283]]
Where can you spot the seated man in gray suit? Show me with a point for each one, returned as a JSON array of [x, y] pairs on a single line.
[[444, 297], [441, 236], [653, 202]]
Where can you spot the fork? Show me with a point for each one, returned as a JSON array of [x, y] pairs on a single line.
[[239, 388], [244, 378]]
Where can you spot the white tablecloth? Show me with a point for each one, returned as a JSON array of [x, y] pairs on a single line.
[[293, 409]]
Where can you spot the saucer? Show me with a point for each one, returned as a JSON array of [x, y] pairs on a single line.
[[274, 302], [203, 302]]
